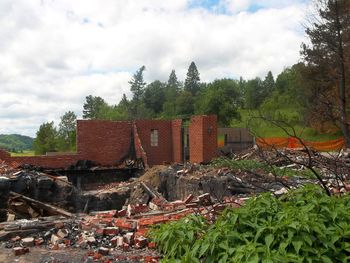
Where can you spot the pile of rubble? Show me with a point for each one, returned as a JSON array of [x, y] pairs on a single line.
[[25, 193], [114, 234], [163, 194], [332, 168]]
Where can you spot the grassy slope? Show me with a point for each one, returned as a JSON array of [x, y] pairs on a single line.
[[266, 130]]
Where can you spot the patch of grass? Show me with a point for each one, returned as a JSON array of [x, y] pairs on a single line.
[[23, 153], [266, 130]]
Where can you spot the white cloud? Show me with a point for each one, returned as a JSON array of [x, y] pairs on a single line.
[[236, 6], [53, 53]]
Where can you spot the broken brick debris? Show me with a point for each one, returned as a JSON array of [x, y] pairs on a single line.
[[20, 250], [106, 232]]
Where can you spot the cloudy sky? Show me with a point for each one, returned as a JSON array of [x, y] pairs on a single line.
[[53, 53]]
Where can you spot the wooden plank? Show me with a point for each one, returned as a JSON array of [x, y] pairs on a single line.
[[50, 208]]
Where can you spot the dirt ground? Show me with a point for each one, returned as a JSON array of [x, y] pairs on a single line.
[[41, 255], [76, 255]]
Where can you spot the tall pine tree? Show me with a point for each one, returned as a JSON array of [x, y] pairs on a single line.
[[92, 107], [138, 84], [328, 59], [192, 82], [172, 81]]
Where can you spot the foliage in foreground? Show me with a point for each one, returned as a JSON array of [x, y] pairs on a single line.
[[305, 225]]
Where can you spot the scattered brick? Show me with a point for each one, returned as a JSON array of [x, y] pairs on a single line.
[[55, 239], [189, 198], [125, 246], [117, 241], [122, 213], [91, 240], [62, 233], [103, 251], [141, 242], [28, 241], [16, 239], [129, 238], [111, 231], [152, 245], [20, 250], [39, 241]]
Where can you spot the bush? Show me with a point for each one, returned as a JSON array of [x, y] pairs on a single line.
[[305, 225]]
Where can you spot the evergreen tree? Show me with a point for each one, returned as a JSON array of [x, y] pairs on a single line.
[[172, 90], [192, 82], [328, 59], [137, 84], [268, 84], [124, 107], [92, 107], [172, 81], [124, 102]]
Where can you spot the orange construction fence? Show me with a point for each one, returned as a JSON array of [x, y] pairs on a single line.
[[294, 143]]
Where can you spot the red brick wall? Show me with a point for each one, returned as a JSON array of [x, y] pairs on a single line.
[[58, 161], [163, 152], [4, 155], [196, 139], [104, 142], [203, 138], [210, 138], [176, 126]]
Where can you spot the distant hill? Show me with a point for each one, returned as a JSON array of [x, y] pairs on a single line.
[[16, 142]]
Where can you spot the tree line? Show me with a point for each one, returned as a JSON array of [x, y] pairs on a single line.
[[313, 92], [171, 99]]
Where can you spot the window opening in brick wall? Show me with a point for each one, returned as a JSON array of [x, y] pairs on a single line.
[[154, 137]]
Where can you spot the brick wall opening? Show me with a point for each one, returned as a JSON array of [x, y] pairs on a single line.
[[154, 138]]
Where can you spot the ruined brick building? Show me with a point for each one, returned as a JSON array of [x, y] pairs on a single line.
[[107, 143]]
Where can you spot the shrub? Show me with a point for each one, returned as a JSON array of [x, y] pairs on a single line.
[[305, 225]]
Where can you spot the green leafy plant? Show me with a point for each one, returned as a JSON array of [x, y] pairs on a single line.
[[305, 225], [177, 237]]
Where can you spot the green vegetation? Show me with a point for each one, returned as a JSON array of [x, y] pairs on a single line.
[[23, 153], [327, 66], [16, 142], [222, 97], [305, 225], [50, 139], [171, 99], [257, 166], [250, 119]]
